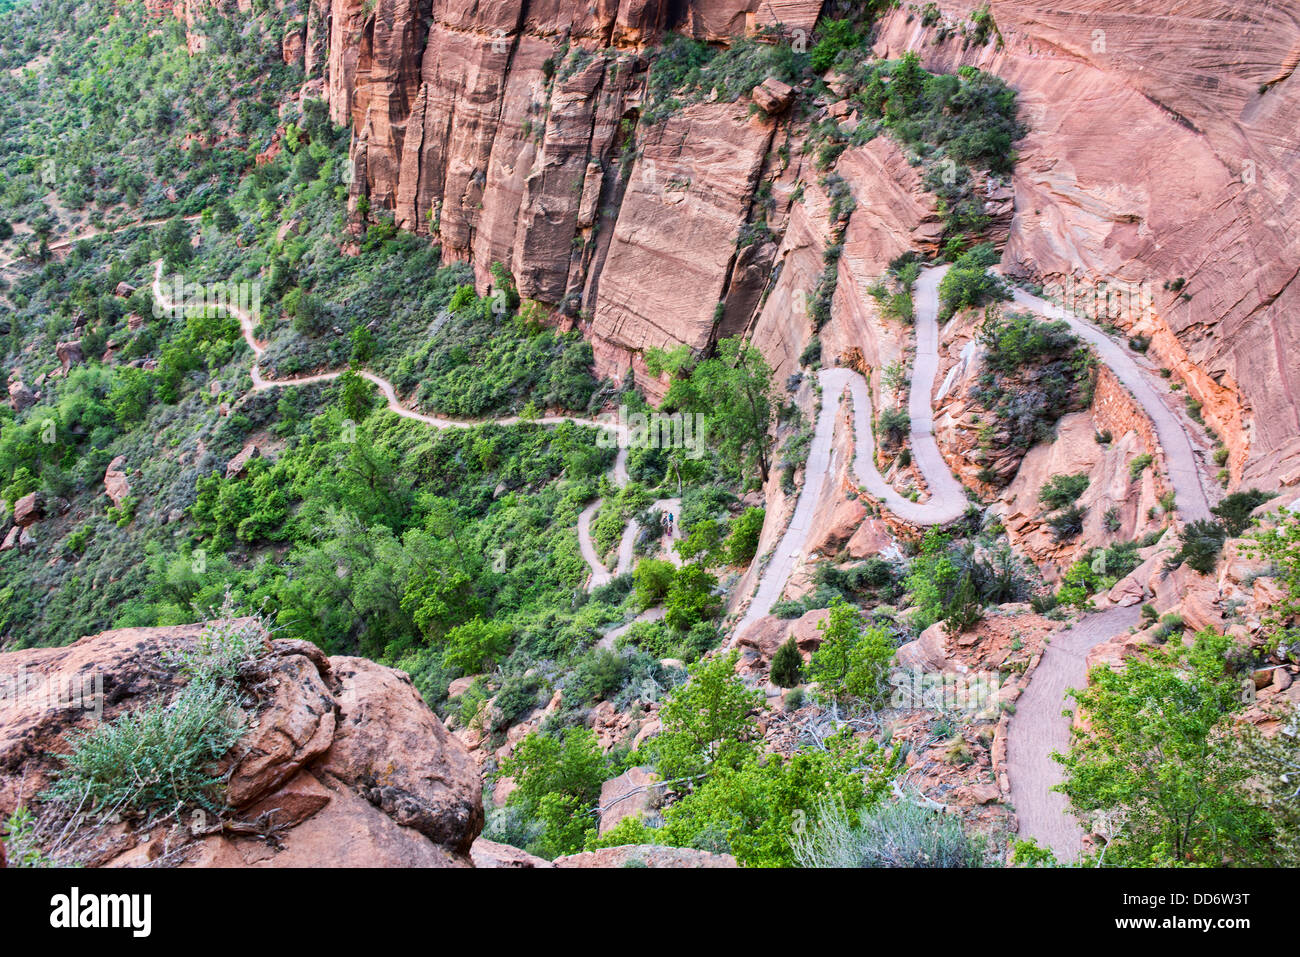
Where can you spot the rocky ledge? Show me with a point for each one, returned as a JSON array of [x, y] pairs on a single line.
[[342, 764]]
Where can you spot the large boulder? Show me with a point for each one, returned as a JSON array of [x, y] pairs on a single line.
[[772, 96], [116, 485], [631, 794], [20, 396], [240, 462], [491, 854], [394, 749], [29, 509], [69, 354]]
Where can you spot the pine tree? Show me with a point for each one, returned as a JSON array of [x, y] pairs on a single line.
[[787, 665]]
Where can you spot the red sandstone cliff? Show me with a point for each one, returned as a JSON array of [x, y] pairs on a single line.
[[1162, 147]]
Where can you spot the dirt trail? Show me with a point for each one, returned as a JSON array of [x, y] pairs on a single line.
[[618, 474], [59, 245]]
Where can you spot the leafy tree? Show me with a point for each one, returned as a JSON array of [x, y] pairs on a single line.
[[707, 722], [755, 808], [734, 392], [557, 781], [705, 542], [742, 543], [1156, 757], [355, 396], [690, 599], [475, 645], [653, 577], [852, 662]]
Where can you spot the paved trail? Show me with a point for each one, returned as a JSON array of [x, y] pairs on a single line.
[[1180, 458], [1039, 727], [947, 501]]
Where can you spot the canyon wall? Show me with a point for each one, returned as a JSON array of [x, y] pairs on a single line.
[[1161, 152]]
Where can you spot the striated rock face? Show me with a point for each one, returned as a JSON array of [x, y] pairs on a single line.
[[341, 764], [1162, 147], [694, 180], [1119, 506], [511, 133]]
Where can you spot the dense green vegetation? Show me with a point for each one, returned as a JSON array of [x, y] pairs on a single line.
[[1034, 373], [452, 553]]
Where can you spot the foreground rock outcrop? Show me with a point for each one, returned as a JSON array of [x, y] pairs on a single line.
[[341, 765]]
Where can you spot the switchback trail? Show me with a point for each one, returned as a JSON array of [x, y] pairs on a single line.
[[947, 501], [1038, 727]]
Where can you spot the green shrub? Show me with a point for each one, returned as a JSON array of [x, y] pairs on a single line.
[[742, 543], [1140, 464], [476, 645], [1063, 490], [852, 662], [690, 598], [897, 833], [893, 425], [558, 781], [834, 37], [156, 759], [1235, 509], [968, 283], [653, 577], [1200, 543], [1067, 524]]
